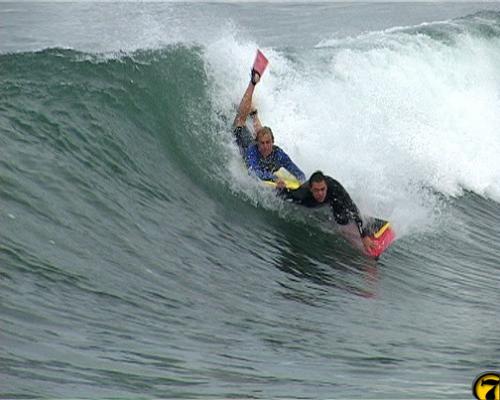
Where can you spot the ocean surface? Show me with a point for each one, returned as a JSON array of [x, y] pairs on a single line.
[[138, 259]]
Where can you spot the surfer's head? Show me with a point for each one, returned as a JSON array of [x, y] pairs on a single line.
[[265, 141], [318, 187]]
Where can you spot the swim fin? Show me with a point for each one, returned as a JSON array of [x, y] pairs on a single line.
[[260, 63]]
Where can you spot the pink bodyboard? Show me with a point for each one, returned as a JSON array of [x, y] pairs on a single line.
[[381, 243]]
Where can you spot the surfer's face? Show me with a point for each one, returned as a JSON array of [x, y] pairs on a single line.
[[318, 190], [265, 145]]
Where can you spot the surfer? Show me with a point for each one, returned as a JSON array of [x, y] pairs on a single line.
[[321, 190], [262, 157]]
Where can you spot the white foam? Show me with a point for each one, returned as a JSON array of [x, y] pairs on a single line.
[[393, 123]]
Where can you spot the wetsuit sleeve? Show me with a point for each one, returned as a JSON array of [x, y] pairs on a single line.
[[298, 195], [243, 138], [252, 160], [359, 224], [286, 162], [344, 209]]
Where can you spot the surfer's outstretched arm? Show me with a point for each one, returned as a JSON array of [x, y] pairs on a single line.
[[345, 210], [246, 102]]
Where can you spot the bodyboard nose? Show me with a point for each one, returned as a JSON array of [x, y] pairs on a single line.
[[382, 236]]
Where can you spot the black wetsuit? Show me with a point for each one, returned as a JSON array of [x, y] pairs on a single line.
[[343, 208], [243, 139]]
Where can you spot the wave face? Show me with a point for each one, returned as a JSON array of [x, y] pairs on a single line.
[[139, 258]]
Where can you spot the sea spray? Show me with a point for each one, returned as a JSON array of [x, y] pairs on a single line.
[[394, 115]]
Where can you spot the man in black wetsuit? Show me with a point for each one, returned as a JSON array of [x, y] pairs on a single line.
[[322, 190]]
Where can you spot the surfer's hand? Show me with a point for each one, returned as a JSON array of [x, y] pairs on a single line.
[[254, 77], [368, 243], [280, 184]]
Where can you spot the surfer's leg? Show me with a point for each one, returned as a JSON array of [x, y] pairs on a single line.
[[246, 102], [254, 76], [257, 125]]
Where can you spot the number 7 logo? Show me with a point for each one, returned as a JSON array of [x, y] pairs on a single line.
[[487, 386]]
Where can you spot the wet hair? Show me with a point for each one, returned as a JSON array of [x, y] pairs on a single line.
[[316, 177], [265, 130]]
